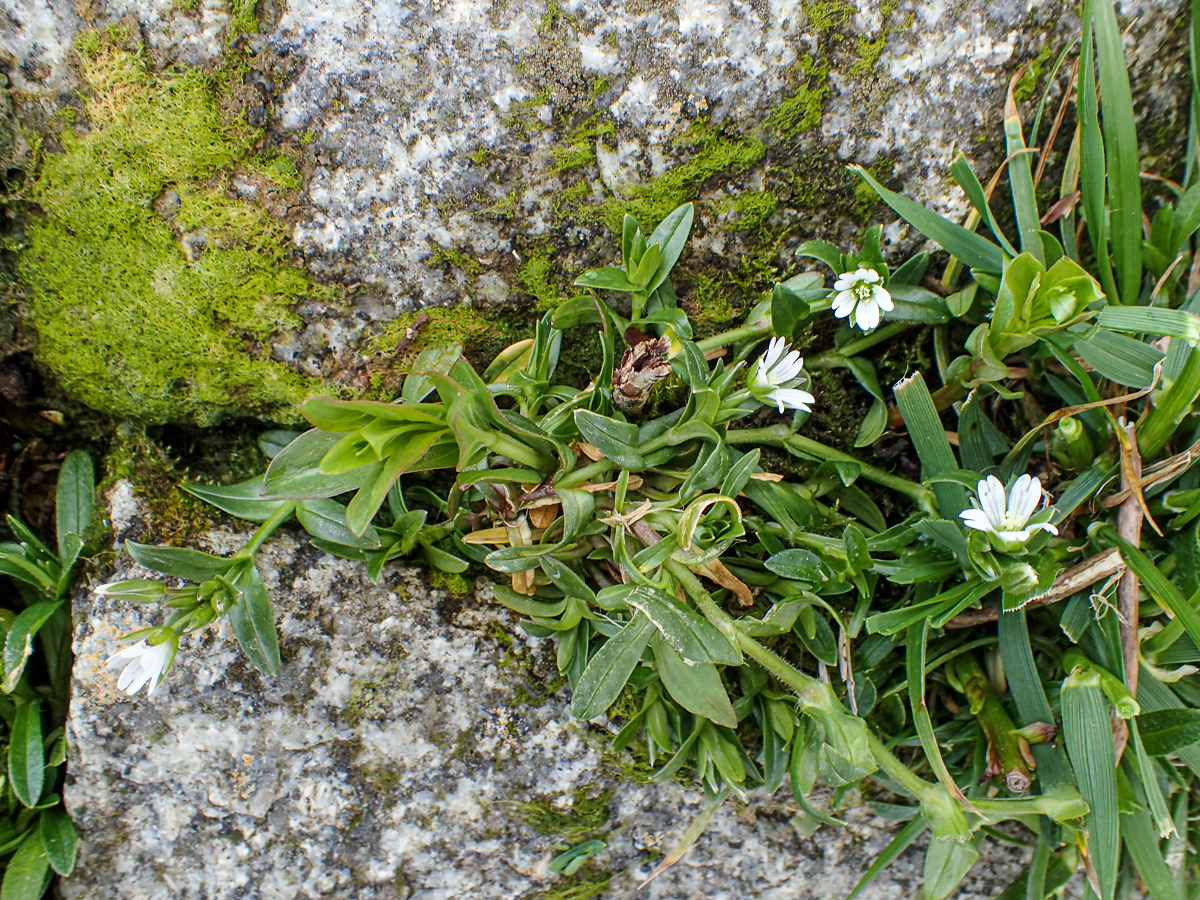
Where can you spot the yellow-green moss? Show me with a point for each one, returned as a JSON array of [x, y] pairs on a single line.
[[868, 52], [469, 265], [715, 153], [826, 15], [243, 17], [802, 111], [579, 149], [1031, 77], [587, 814], [132, 319], [583, 885], [536, 277]]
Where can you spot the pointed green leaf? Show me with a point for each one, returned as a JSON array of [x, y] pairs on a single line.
[[26, 755], [253, 621]]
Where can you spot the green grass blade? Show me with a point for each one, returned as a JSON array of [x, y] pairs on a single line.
[[897, 845], [962, 172], [918, 635], [1088, 734], [1141, 840], [1026, 687], [1020, 177], [1121, 146], [1091, 160], [977, 252], [1157, 584], [929, 438]]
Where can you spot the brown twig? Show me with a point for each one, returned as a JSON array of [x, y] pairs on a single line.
[[1100, 567], [1129, 526]]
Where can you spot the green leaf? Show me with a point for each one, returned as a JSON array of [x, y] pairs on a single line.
[[1151, 320], [527, 606], [578, 509], [326, 519], [294, 473], [1092, 162], [697, 688], [1166, 731], [797, 564], [975, 251], [946, 864], [787, 311], [73, 503], [1123, 162], [440, 559], [616, 440], [567, 580], [58, 840], [695, 638], [1087, 730], [417, 384], [18, 644], [272, 442], [606, 279], [182, 562], [1020, 179], [608, 671], [929, 439], [253, 621], [1119, 358], [961, 171], [1141, 840], [1157, 584], [670, 237], [244, 499], [25, 874], [26, 755]]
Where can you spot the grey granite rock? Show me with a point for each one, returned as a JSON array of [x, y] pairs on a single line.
[[478, 151], [398, 756]]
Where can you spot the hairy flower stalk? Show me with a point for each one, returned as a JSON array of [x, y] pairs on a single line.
[[862, 298]]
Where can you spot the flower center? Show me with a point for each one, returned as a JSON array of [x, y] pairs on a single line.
[[862, 292]]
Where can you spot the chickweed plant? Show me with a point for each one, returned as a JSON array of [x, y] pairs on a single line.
[[1018, 644]]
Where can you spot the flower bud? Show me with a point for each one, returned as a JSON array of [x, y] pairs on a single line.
[[138, 590]]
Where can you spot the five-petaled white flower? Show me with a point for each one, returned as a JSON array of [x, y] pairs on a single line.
[[861, 297], [145, 663], [774, 378], [1007, 517]]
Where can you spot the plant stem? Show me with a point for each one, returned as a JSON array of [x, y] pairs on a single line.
[[780, 436], [586, 473], [831, 359], [725, 338], [265, 530], [997, 724], [803, 685]]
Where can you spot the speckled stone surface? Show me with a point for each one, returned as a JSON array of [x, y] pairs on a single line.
[[450, 142], [391, 759]]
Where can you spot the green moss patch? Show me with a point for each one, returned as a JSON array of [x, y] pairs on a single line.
[[152, 291]]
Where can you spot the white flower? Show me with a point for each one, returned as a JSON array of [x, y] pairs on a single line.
[[1007, 518], [774, 378], [861, 297], [145, 663]]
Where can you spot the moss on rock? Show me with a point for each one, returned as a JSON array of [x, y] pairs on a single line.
[[152, 290]]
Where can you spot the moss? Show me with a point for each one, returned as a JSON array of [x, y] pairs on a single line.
[[587, 815], [243, 17], [449, 581], [868, 52], [583, 885], [751, 210], [579, 149], [802, 111], [826, 15], [1031, 77], [536, 277], [478, 331], [716, 153], [468, 265], [147, 309], [173, 515]]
